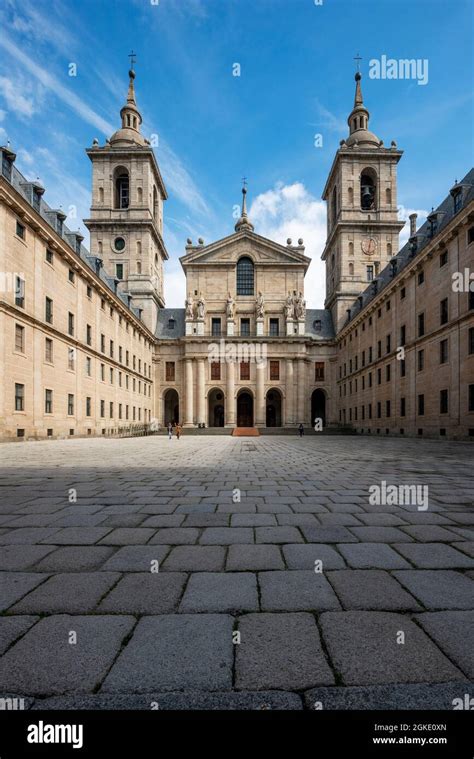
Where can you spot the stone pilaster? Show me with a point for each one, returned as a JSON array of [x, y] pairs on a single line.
[[229, 395], [188, 393]]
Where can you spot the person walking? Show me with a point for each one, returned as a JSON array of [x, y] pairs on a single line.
[[178, 431], [301, 430], [170, 430]]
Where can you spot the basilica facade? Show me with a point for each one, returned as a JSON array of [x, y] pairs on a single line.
[[90, 348]]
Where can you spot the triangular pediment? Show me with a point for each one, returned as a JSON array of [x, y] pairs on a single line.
[[229, 249]]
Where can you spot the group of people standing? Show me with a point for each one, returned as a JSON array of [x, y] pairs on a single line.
[[177, 429]]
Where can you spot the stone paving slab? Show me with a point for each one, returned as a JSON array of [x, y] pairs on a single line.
[[372, 556], [304, 556], [136, 558], [280, 651], [43, 662], [195, 559], [438, 589], [12, 558], [253, 557], [15, 585], [226, 535], [410, 697], [370, 589], [74, 558], [434, 556], [150, 593], [364, 650], [453, 631], [193, 700], [12, 628], [175, 652], [220, 592], [66, 592], [296, 591]]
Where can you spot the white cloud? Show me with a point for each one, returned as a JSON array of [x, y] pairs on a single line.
[[2, 114], [14, 98], [292, 211], [179, 181], [3, 136]]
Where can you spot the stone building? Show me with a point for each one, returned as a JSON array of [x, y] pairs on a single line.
[[88, 346]]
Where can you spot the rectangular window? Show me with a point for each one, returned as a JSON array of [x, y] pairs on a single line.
[[170, 371], [19, 292], [89, 291], [19, 338], [70, 323], [370, 410], [471, 300], [443, 311], [379, 376], [244, 371], [49, 256], [274, 327], [421, 360], [421, 325], [379, 410], [370, 355], [71, 276], [119, 271], [379, 348], [102, 409], [443, 259], [48, 350], [215, 326], [215, 370], [388, 344], [88, 334], [245, 327], [20, 230], [387, 409], [421, 405], [111, 349], [88, 406], [421, 277], [48, 401], [403, 368], [370, 273], [403, 334], [111, 376], [102, 343], [274, 370], [71, 359], [88, 366], [402, 406], [471, 340], [387, 372], [19, 397], [120, 411], [49, 310], [70, 404], [102, 372], [471, 397], [319, 371], [111, 410], [403, 293], [370, 379], [443, 351], [443, 401]]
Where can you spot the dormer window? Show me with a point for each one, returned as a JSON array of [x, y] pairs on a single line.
[[7, 164], [457, 200], [433, 222], [36, 199], [171, 323], [317, 325], [59, 226]]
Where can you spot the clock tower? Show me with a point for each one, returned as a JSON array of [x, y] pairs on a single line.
[[126, 218], [362, 217]]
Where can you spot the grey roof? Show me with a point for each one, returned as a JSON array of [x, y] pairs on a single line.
[[444, 214], [25, 188], [324, 316], [163, 329]]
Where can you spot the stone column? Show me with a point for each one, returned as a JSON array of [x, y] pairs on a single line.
[[290, 394], [259, 420], [201, 393], [188, 391], [301, 390], [229, 395]]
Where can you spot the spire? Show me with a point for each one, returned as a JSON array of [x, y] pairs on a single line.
[[358, 120], [129, 133], [244, 221]]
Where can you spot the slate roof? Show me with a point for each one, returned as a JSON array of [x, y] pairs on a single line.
[[325, 317], [444, 214], [163, 330], [24, 187]]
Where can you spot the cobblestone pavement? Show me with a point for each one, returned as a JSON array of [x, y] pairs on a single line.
[[282, 581]]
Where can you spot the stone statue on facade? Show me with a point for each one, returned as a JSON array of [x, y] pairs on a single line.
[[300, 307], [259, 306], [289, 306], [189, 306], [201, 307], [230, 307]]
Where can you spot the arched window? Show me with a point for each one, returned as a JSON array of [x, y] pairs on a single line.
[[155, 203], [351, 248], [101, 194], [388, 196], [368, 181], [389, 249], [351, 269], [156, 260], [350, 194], [122, 188], [245, 276], [139, 267]]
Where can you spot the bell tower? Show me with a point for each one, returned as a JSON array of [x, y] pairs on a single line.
[[362, 216], [126, 218]]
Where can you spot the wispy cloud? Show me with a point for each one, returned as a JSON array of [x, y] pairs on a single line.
[[329, 120], [15, 100]]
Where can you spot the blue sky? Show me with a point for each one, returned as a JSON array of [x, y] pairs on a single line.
[[296, 80]]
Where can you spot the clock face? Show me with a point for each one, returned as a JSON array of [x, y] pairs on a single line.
[[369, 246]]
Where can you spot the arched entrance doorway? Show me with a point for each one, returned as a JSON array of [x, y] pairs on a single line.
[[171, 407], [244, 409], [273, 408], [216, 408], [318, 406]]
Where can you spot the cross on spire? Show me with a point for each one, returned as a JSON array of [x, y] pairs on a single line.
[[244, 182], [358, 59], [133, 57]]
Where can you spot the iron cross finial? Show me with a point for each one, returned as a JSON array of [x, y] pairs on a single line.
[[358, 59], [133, 57]]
